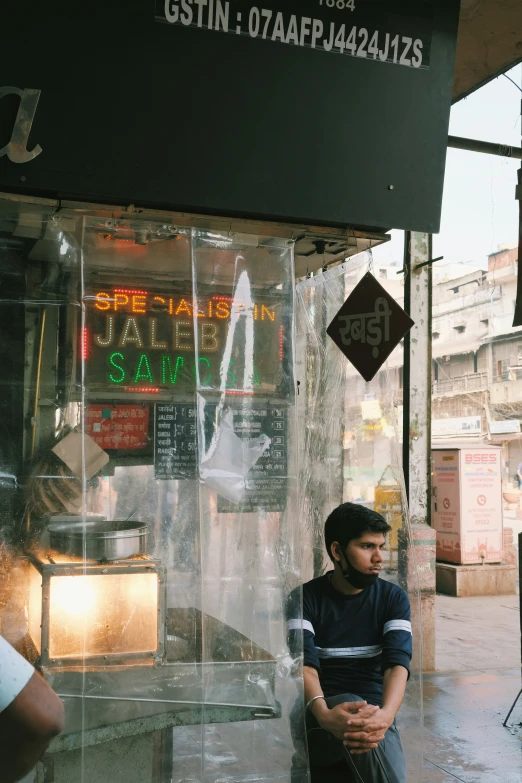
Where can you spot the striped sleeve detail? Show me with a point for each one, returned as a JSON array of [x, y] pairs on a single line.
[[371, 651], [397, 625], [15, 673], [296, 625]]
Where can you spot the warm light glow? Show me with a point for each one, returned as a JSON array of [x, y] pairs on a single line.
[[148, 389], [120, 300], [183, 307], [281, 343], [102, 301], [85, 344], [139, 302], [222, 309], [103, 614], [72, 595], [35, 607], [239, 393]]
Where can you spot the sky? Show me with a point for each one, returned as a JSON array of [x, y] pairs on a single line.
[[479, 210]]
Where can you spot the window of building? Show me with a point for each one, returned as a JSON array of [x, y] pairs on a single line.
[[459, 328], [435, 335]]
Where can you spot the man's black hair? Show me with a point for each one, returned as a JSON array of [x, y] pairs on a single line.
[[351, 520]]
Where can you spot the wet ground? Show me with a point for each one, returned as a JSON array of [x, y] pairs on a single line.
[[464, 739], [465, 703], [467, 700]]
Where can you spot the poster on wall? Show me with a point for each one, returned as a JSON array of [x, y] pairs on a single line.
[[115, 427]]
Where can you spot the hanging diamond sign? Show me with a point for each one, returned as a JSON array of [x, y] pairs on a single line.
[[369, 325]]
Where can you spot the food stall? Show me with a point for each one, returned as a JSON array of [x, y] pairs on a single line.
[[133, 545], [166, 178]]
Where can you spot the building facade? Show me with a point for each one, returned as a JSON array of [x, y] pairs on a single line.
[[477, 359]]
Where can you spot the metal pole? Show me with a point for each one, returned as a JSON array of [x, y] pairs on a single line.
[[417, 550], [519, 575], [418, 438], [517, 317], [406, 388], [520, 612], [486, 147], [38, 378]]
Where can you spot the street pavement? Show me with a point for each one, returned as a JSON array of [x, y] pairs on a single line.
[[466, 701]]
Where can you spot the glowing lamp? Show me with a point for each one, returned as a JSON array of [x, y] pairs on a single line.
[[92, 614]]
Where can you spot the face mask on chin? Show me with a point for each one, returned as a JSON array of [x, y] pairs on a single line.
[[356, 578]]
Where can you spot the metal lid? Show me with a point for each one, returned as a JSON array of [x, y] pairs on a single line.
[[89, 516], [98, 529]]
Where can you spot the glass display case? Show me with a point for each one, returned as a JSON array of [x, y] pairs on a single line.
[[150, 541]]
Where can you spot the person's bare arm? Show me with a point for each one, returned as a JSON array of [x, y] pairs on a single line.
[[360, 729], [336, 720], [27, 726], [394, 688]]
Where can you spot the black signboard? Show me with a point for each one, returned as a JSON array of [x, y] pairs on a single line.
[[396, 32], [267, 481], [369, 325], [143, 340], [318, 111], [175, 450]]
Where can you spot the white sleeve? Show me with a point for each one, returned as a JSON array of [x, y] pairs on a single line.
[[15, 673]]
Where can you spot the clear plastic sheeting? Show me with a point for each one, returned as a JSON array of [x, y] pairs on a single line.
[[250, 548], [148, 533], [349, 447], [164, 489]]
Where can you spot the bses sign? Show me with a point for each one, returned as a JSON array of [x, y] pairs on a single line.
[[480, 458]]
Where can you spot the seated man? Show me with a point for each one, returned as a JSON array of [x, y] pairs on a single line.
[[31, 714], [356, 633]]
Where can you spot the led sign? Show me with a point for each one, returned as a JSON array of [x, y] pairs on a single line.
[[144, 340]]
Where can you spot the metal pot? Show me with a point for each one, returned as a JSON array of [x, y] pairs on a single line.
[[99, 540]]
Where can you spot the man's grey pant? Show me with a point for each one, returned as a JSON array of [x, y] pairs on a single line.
[[385, 764]]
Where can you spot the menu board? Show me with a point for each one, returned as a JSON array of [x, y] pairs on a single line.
[[175, 450], [267, 480]]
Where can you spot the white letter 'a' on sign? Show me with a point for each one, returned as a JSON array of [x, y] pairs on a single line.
[[16, 150], [171, 11]]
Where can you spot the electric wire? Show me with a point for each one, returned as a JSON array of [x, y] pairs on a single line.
[[512, 82]]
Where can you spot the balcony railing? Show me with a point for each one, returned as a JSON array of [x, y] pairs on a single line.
[[476, 381]]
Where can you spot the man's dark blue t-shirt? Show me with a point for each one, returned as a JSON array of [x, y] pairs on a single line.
[[351, 639]]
